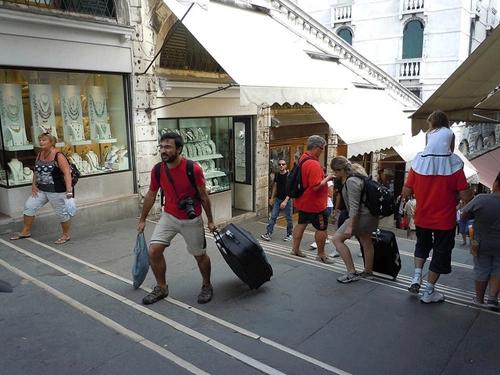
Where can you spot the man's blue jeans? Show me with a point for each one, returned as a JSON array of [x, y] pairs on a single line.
[[276, 211]]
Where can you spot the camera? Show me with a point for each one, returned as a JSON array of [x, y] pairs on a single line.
[[187, 204]]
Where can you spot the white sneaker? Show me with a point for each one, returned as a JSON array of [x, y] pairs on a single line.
[[432, 297], [288, 237], [335, 254], [314, 245]]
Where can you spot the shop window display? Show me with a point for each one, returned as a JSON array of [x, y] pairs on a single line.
[[204, 144], [84, 111]]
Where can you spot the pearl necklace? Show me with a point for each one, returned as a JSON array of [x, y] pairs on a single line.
[[44, 106]]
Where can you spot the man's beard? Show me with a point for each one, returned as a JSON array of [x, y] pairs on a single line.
[[168, 159]]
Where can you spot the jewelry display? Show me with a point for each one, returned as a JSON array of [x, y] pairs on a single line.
[[78, 133], [73, 108], [44, 106], [13, 109], [92, 160], [17, 135], [77, 160], [103, 130], [28, 174], [16, 171]]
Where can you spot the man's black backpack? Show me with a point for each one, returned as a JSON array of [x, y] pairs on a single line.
[[377, 197], [189, 172], [294, 187]]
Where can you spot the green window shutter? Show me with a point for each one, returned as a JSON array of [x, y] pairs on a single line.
[[413, 40], [346, 35]]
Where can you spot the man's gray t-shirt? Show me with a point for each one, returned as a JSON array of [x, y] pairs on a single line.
[[485, 210]]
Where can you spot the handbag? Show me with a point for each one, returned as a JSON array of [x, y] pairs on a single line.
[[58, 176], [141, 261], [474, 244]]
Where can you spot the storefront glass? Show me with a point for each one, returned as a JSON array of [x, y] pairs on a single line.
[[208, 142], [84, 111]]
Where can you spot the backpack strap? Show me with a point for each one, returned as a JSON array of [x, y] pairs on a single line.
[[189, 172], [303, 161], [157, 175]]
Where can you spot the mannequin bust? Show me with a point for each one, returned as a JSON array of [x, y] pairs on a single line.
[[16, 170], [28, 174]]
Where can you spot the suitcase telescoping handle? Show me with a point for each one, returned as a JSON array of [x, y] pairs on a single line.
[[218, 238]]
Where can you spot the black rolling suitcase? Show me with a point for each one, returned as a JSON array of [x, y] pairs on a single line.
[[244, 255], [387, 259]]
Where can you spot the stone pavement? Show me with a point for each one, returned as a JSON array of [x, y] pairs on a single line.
[[73, 311]]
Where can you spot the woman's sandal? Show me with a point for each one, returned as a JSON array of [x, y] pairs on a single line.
[[60, 241], [19, 237]]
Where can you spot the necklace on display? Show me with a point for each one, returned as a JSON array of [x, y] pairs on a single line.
[[16, 167], [17, 135], [77, 131], [99, 107], [13, 109], [44, 107], [104, 130], [73, 108]]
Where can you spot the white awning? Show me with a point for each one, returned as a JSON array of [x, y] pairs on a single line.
[[367, 120], [266, 59]]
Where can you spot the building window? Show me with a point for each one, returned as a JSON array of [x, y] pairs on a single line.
[[101, 8], [413, 37], [346, 34], [85, 112]]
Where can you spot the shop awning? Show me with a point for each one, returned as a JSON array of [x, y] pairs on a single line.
[[367, 120], [267, 60], [464, 95], [488, 166]]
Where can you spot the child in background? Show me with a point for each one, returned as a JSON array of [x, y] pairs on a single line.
[[438, 157]]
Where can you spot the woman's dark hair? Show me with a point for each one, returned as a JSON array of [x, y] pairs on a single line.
[[498, 178], [438, 119]]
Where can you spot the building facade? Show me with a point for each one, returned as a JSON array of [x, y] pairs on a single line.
[[418, 42], [108, 78]]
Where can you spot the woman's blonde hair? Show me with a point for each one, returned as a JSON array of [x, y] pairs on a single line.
[[342, 163], [50, 137]]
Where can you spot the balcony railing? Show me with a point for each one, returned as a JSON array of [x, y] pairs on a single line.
[[341, 13], [411, 6], [410, 69], [100, 8]]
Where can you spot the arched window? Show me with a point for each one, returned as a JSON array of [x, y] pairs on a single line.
[[413, 38], [346, 34]]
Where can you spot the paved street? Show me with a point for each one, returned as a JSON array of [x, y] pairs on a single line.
[[74, 311]]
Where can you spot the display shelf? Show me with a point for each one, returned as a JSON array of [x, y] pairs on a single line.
[[103, 141], [206, 157], [79, 143], [19, 148], [214, 174]]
